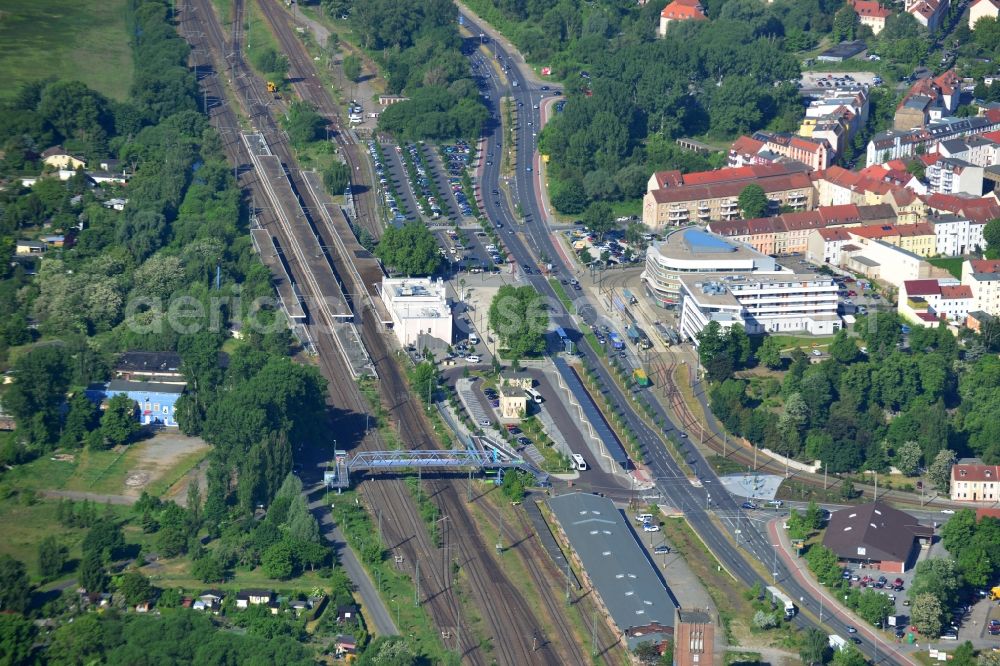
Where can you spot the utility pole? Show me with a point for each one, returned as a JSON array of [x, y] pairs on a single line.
[[593, 633]]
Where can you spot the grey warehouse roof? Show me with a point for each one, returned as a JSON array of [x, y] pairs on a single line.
[[630, 587]]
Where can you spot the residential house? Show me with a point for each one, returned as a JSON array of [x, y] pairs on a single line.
[[54, 240], [928, 13], [823, 245], [871, 14], [211, 600], [115, 204], [982, 150], [348, 613], [26, 247], [680, 10], [981, 9], [745, 151], [877, 536], [975, 482], [673, 199], [982, 276], [57, 158], [813, 152], [927, 302], [920, 238], [951, 175], [254, 597], [956, 235], [345, 645], [894, 144], [159, 367]]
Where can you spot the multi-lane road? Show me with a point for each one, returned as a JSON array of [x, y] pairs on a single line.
[[712, 512]]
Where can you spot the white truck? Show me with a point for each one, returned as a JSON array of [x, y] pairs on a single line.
[[837, 642], [780, 598]]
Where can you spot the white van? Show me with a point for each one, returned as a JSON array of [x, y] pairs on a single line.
[[643, 517], [473, 339]]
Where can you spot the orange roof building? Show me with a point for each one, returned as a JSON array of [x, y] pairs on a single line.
[[680, 10], [872, 14]]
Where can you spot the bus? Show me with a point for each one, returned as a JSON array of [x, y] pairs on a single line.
[[579, 463], [564, 340], [640, 377], [616, 341], [534, 395]]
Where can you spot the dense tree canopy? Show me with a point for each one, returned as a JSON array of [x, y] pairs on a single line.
[[410, 250], [518, 316]]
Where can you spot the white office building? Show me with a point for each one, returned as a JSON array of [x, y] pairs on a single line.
[[694, 251], [761, 303], [419, 310]]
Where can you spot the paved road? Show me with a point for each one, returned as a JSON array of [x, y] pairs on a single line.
[[536, 244], [79, 496]]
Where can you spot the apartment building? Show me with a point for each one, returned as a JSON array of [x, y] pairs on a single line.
[[955, 235], [982, 276], [760, 303], [673, 199], [927, 302], [981, 9], [694, 251], [951, 175], [815, 153], [920, 238], [871, 14], [981, 150], [876, 259], [974, 482], [824, 246], [419, 309], [895, 144]]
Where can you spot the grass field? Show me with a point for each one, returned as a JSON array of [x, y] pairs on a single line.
[[951, 264], [87, 41]]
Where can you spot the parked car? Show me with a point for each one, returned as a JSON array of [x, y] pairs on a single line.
[[650, 527], [661, 550]]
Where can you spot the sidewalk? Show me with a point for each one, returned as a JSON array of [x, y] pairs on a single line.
[[830, 605]]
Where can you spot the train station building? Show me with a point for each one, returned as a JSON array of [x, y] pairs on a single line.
[[419, 311], [636, 600]]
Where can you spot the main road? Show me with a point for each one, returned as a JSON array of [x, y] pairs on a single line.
[[716, 517]]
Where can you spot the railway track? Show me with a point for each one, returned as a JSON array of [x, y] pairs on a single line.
[[549, 581], [512, 627]]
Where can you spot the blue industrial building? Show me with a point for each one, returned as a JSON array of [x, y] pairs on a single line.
[[156, 402]]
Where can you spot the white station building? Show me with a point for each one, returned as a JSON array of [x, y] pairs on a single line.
[[760, 303], [419, 309]]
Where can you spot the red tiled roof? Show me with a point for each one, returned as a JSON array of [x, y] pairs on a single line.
[[794, 181], [682, 10], [972, 472], [992, 136], [992, 115], [926, 316], [922, 287], [746, 145], [987, 513], [842, 214], [985, 265], [953, 291], [834, 234], [839, 176], [871, 8]]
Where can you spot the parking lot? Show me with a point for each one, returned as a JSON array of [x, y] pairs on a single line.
[[834, 80]]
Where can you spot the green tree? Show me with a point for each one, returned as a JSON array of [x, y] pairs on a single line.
[[937, 576], [599, 218], [823, 563], [849, 655], [352, 68], [389, 651], [769, 353], [908, 455], [409, 250], [753, 201], [304, 125], [336, 178], [41, 377], [845, 22], [17, 636], [927, 613], [104, 538], [208, 569], [814, 644], [875, 607], [939, 471], [135, 587], [764, 620], [118, 423], [92, 575], [81, 419], [843, 349], [15, 589], [814, 516], [423, 379], [519, 318], [278, 561], [991, 234], [51, 557], [172, 538]]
